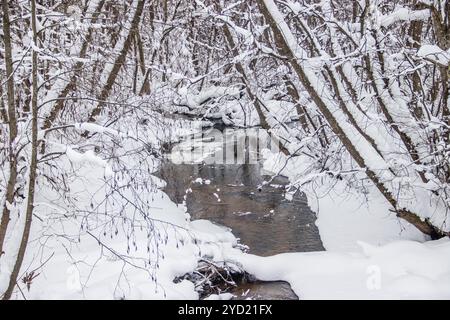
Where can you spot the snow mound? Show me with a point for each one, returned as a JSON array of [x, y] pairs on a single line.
[[398, 270]]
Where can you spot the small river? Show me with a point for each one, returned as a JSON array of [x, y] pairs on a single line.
[[237, 196]]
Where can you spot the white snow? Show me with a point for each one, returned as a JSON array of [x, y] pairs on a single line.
[[434, 53], [344, 213], [398, 270], [199, 180], [404, 14], [108, 270], [95, 128], [103, 229], [91, 157], [194, 100], [370, 254], [222, 296]]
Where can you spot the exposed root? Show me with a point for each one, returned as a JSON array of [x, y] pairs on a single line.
[[215, 277]]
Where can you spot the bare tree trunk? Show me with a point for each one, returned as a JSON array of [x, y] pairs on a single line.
[[441, 26], [256, 102], [136, 66], [12, 124], [415, 34], [118, 63], [33, 166], [59, 105], [407, 142], [301, 111], [145, 87], [3, 111]]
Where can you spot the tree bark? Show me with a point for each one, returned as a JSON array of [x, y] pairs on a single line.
[[256, 102], [59, 105], [33, 166], [12, 125], [118, 63]]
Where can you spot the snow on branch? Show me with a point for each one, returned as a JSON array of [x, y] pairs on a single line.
[[434, 54], [195, 100], [90, 157], [95, 128], [404, 14]]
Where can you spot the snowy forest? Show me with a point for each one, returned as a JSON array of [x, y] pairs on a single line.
[[225, 149]]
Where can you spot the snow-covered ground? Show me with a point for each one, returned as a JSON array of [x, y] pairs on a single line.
[[99, 263], [398, 270], [108, 231], [370, 254], [358, 108]]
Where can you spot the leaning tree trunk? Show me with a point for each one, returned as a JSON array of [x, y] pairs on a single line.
[[253, 97], [71, 85], [118, 63], [284, 40]]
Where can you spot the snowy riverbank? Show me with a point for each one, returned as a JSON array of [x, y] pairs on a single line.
[[99, 238], [371, 254], [398, 270]]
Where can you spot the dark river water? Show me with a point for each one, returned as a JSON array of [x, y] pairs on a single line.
[[258, 213]]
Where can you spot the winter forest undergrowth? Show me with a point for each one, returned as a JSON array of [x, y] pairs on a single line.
[[96, 96]]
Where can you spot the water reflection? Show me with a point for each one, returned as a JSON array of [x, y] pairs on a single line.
[[257, 213]]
